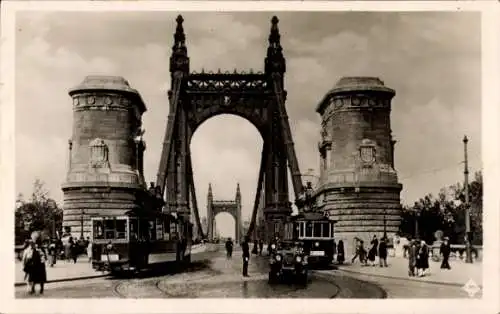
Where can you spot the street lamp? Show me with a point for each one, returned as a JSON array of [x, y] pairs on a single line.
[[385, 224], [468, 250], [82, 212], [417, 216]]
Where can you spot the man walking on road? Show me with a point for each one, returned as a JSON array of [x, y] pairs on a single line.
[[246, 256], [229, 248], [382, 252], [445, 250]]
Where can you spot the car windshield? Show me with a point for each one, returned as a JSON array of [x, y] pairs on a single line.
[[286, 246]]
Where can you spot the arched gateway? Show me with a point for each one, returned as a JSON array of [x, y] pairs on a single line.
[[257, 97], [232, 207]]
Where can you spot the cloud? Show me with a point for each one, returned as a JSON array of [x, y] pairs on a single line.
[[432, 60]]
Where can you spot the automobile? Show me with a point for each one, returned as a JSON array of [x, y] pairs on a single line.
[[288, 261]]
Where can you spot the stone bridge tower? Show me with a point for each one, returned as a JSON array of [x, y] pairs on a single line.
[[358, 184], [105, 171]]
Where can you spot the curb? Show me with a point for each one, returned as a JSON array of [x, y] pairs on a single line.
[[20, 284], [406, 279]]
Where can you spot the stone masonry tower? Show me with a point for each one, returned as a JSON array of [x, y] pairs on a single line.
[[358, 184], [105, 171]]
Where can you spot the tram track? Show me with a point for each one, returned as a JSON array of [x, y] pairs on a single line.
[[155, 281]]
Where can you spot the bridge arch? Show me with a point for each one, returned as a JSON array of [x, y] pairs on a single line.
[[259, 97]]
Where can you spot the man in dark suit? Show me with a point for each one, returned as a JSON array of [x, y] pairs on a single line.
[[445, 250], [246, 256]]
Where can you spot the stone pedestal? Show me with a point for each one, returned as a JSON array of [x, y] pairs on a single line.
[[358, 183], [105, 169]]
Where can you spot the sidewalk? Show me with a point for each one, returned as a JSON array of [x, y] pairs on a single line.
[[67, 271], [63, 271], [459, 274]]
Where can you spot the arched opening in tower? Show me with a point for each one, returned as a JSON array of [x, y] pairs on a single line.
[[226, 150]]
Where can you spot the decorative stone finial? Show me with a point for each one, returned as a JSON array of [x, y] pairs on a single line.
[[179, 60], [275, 62], [180, 37]]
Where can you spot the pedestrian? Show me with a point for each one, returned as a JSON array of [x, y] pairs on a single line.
[[89, 250], [423, 259], [360, 252], [382, 252], [340, 252], [412, 258], [332, 251], [74, 248], [27, 251], [229, 248], [445, 251], [372, 253], [261, 246], [67, 248], [255, 245], [246, 256], [34, 264], [52, 253]]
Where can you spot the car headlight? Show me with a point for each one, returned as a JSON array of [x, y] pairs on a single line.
[[273, 246], [298, 259], [278, 258], [316, 244]]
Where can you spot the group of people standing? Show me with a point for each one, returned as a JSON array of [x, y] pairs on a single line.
[[377, 248], [418, 258], [37, 253]]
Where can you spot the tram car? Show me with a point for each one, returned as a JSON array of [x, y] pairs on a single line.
[[316, 233], [139, 240]]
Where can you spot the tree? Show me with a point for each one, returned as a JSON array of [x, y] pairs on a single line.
[[40, 213], [446, 213], [476, 208]]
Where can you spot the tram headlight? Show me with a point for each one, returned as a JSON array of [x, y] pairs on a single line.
[[316, 244], [273, 246], [278, 258], [298, 259]]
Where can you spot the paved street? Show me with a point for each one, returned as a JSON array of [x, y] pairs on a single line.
[[214, 276], [437, 283]]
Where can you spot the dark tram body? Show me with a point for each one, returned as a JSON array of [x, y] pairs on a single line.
[[139, 240], [316, 233]]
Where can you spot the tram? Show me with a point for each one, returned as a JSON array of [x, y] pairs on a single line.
[[139, 240], [316, 232]]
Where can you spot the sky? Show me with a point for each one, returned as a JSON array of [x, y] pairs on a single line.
[[432, 60]]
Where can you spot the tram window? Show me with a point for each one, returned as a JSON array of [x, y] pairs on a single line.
[[109, 229], [152, 233], [121, 229], [309, 229], [326, 229], [317, 230], [166, 229], [296, 228], [331, 230], [159, 229], [98, 229], [301, 233], [133, 229]]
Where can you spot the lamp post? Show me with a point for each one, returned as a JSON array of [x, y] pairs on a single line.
[[385, 225], [468, 258], [82, 212], [417, 215]]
